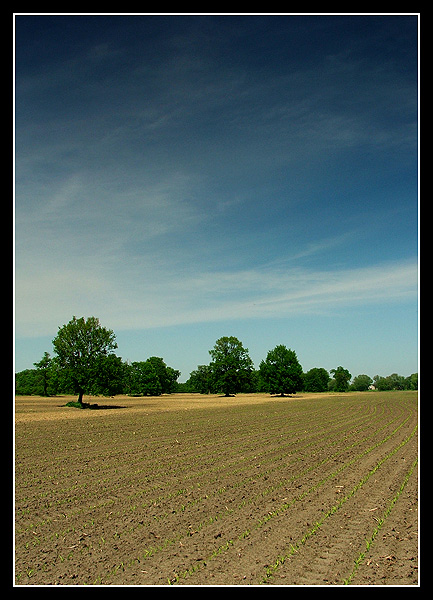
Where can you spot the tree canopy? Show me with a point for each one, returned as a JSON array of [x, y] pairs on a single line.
[[80, 346], [44, 367], [316, 380], [200, 380], [281, 371], [231, 365], [341, 379], [85, 363], [143, 379], [361, 383]]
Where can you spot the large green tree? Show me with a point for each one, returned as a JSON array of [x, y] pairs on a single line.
[[143, 379], [231, 365], [167, 375], [44, 371], [341, 379], [316, 380], [27, 383], [111, 373], [361, 383], [281, 371], [80, 345], [201, 380]]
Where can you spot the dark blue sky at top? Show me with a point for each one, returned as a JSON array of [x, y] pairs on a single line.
[[231, 161]]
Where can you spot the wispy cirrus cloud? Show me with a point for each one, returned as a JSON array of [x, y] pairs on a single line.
[[173, 171], [145, 297]]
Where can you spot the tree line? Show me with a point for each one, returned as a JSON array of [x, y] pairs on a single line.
[[84, 362]]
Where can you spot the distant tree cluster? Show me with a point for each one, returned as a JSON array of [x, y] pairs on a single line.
[[396, 382], [85, 363], [280, 373], [231, 371], [316, 380], [150, 378]]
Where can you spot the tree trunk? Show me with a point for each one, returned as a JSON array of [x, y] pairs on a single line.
[[80, 397]]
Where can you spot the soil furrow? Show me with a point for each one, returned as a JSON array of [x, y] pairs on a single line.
[[206, 490]]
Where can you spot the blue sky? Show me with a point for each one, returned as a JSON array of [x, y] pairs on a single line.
[[188, 177]]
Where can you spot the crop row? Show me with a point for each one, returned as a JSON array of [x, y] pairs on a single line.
[[146, 445], [182, 461], [380, 522], [179, 474], [226, 513], [295, 547], [259, 523], [213, 473], [158, 473]]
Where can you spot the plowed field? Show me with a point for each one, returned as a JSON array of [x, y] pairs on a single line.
[[202, 490]]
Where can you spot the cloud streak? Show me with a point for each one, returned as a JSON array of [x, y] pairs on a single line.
[[199, 170], [148, 299]]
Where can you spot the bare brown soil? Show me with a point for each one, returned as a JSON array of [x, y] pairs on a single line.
[[204, 490]]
